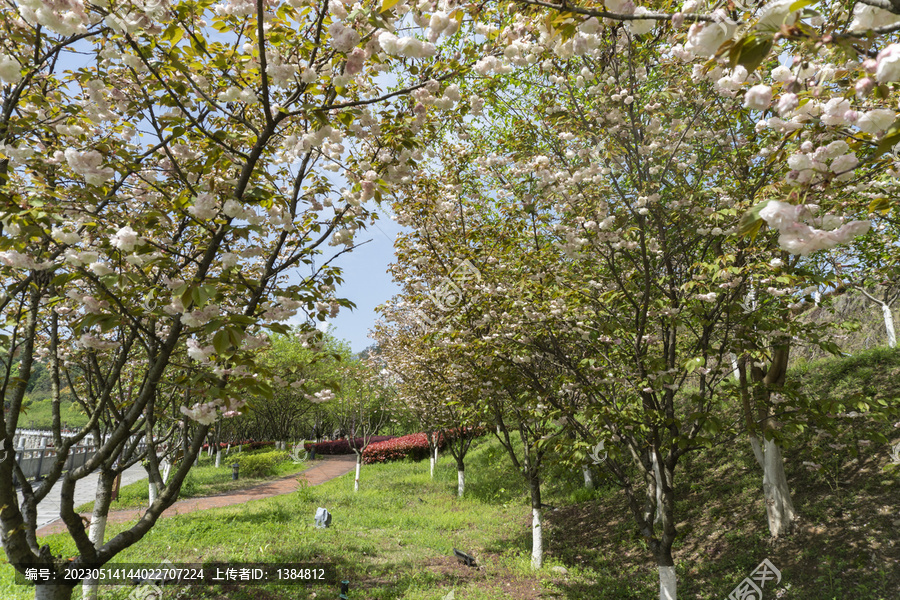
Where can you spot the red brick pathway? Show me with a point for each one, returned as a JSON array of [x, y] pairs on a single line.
[[322, 470]]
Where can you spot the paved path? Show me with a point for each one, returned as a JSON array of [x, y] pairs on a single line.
[[321, 471], [85, 491]]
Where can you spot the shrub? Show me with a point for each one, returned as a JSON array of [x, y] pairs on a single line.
[[261, 464], [343, 446], [414, 446]]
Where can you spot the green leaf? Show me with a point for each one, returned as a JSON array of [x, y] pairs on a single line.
[[891, 138], [882, 205], [173, 33], [751, 222], [186, 297], [750, 51], [694, 364], [801, 4], [387, 5], [221, 341]]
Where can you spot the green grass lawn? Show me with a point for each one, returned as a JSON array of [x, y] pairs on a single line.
[[394, 539], [202, 480]]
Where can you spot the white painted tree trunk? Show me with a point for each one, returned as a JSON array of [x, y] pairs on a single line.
[[734, 366], [889, 325], [165, 473], [96, 535], [356, 481], [97, 531], [668, 584], [432, 467], [779, 507], [588, 477], [218, 457], [537, 539], [460, 482], [657, 474], [52, 592], [153, 491]]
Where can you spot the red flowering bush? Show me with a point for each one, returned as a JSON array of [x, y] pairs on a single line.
[[343, 446], [414, 446]]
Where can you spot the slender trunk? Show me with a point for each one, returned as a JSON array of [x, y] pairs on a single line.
[[358, 465], [780, 511], [102, 500], [779, 507], [460, 478], [153, 486], [588, 476], [889, 324], [658, 489], [434, 460], [218, 457], [537, 539]]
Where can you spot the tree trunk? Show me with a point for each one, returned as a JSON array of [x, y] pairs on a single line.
[[102, 500], [434, 460], [460, 479], [889, 324], [779, 507], [668, 584], [537, 539], [658, 489], [588, 477], [358, 465], [52, 592], [218, 457]]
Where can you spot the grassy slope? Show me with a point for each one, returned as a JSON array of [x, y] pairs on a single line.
[[394, 539], [40, 413]]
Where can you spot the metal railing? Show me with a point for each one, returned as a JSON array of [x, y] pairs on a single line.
[[38, 462]]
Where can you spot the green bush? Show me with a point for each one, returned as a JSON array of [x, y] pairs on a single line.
[[262, 464]]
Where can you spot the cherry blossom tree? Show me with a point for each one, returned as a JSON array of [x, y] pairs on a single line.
[[363, 403], [632, 191]]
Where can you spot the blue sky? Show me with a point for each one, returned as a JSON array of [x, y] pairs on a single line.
[[366, 282]]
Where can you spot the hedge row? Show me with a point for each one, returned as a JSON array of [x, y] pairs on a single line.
[[414, 446], [343, 446]]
